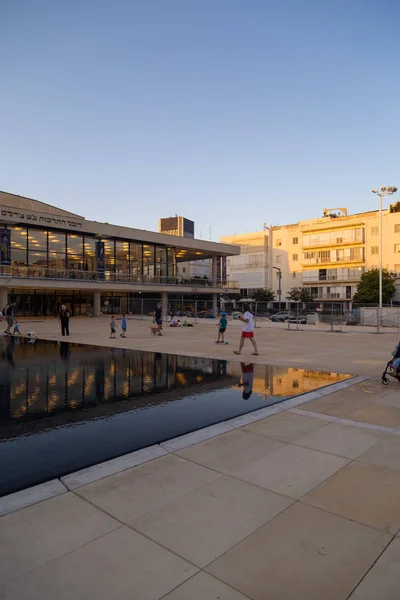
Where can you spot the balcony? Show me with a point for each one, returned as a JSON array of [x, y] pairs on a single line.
[[324, 278], [47, 273], [331, 261], [335, 239]]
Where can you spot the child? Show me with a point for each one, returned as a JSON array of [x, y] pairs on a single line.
[[112, 327], [222, 328], [123, 326], [16, 328]]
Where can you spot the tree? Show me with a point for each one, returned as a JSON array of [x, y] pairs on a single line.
[[368, 288], [298, 294], [263, 295]]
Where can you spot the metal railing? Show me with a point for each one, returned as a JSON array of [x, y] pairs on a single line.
[[35, 272]]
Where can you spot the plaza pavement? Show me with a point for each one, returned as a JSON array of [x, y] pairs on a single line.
[[303, 504]]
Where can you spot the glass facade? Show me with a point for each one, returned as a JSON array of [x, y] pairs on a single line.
[[39, 249]]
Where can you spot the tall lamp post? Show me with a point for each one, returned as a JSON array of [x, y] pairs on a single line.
[[384, 191], [279, 288]]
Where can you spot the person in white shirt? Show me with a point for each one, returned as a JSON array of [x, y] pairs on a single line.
[[248, 330]]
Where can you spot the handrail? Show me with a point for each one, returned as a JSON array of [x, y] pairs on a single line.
[[49, 273]]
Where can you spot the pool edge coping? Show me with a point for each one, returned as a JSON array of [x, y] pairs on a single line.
[[56, 487]]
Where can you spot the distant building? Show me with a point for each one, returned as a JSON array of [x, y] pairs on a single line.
[[327, 255], [179, 226], [182, 227], [50, 256]]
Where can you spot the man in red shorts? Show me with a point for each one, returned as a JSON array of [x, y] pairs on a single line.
[[248, 330]]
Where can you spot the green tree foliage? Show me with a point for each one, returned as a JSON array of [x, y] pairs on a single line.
[[265, 295], [298, 294], [368, 288]]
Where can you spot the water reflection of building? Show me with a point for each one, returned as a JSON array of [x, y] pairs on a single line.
[[286, 381], [51, 379]]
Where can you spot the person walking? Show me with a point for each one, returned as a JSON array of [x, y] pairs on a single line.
[[248, 330], [113, 327], [64, 316], [123, 326], [8, 313], [157, 319]]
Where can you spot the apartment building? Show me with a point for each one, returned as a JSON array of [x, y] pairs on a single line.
[[326, 255]]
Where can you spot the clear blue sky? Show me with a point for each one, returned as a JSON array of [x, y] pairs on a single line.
[[230, 112]]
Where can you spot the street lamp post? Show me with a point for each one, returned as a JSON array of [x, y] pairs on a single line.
[[279, 288], [384, 191]]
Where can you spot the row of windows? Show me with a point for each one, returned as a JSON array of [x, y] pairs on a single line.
[[375, 230], [295, 241], [35, 247], [375, 249]]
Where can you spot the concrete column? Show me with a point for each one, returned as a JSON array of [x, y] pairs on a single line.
[[3, 297], [96, 303], [214, 270], [215, 305], [164, 308]]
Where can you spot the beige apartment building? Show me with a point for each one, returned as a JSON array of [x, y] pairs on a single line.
[[326, 255]]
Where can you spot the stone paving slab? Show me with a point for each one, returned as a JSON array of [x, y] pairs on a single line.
[[226, 453], [302, 554], [383, 580], [286, 427], [120, 565], [204, 587], [384, 454], [207, 522], [363, 493], [33, 536], [342, 440], [138, 491], [292, 471]]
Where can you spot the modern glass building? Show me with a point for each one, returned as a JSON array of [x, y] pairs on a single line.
[[50, 256]]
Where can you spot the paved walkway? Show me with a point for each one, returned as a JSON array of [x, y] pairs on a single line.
[[304, 504]]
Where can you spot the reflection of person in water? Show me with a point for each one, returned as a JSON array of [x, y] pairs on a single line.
[[8, 354], [64, 350], [222, 367], [247, 380]]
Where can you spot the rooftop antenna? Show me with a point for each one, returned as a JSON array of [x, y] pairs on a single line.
[[201, 234], [210, 230], [264, 226]]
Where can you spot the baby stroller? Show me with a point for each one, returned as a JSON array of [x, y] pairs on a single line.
[[393, 366]]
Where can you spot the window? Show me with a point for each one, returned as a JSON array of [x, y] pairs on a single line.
[[278, 258], [122, 257], [374, 249], [278, 243], [109, 256], [18, 246], [161, 261], [37, 248], [90, 254], [397, 268], [375, 230], [397, 228], [295, 257], [295, 240], [255, 260], [397, 248], [148, 260]]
